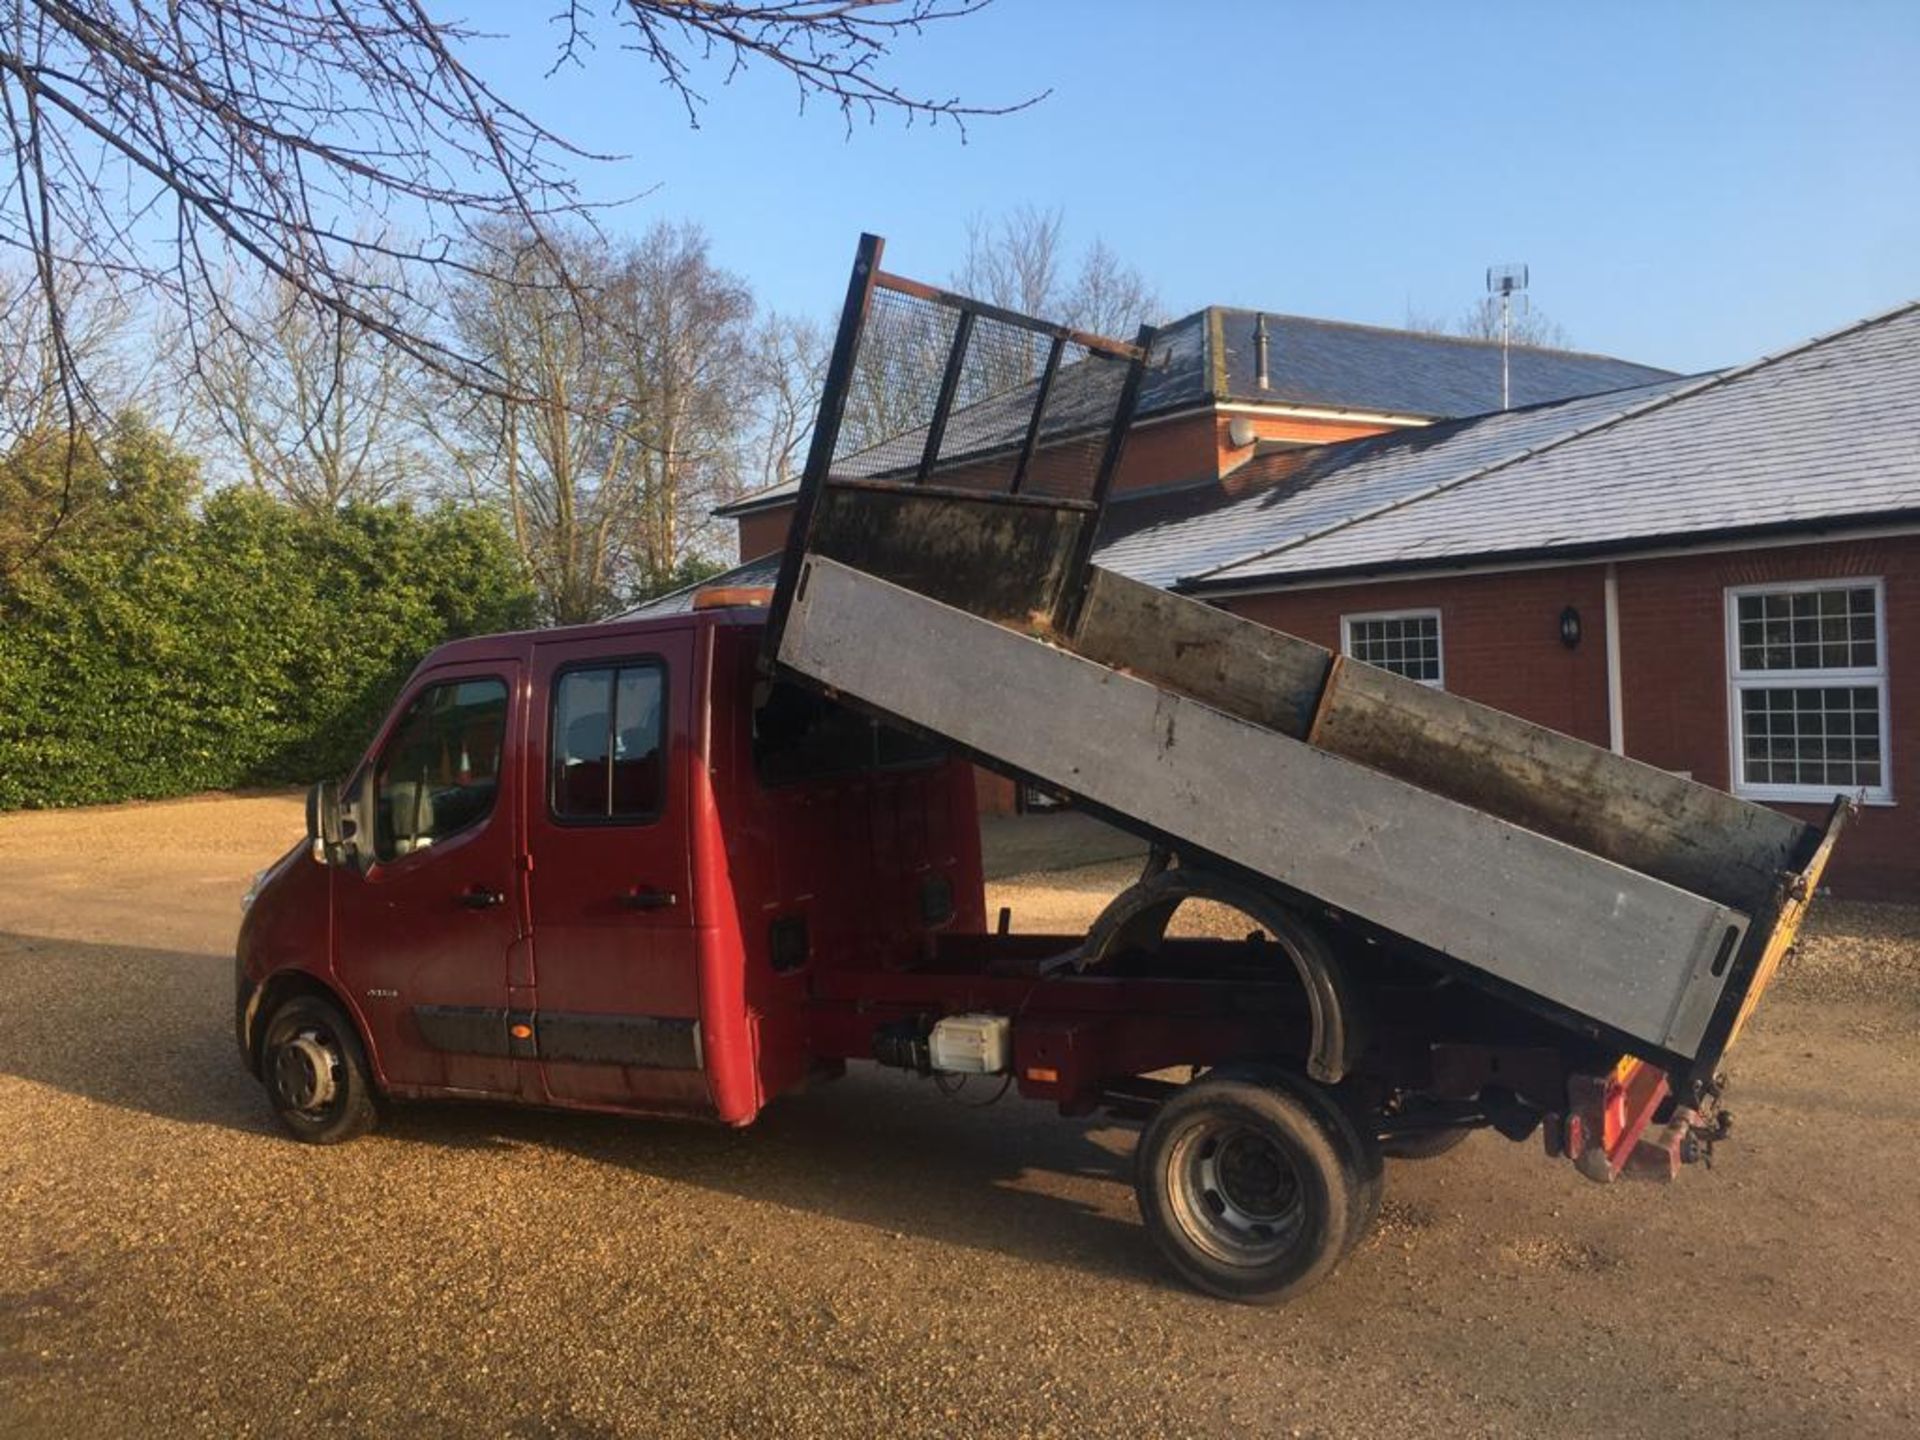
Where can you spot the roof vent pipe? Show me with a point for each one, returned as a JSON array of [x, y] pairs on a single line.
[[1260, 350]]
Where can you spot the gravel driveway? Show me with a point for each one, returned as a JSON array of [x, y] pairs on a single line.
[[871, 1259]]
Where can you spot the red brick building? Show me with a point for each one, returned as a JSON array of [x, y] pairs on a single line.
[[1718, 575]]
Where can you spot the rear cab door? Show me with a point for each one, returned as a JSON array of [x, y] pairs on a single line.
[[616, 969]]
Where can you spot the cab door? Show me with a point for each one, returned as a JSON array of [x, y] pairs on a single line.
[[422, 939], [615, 955]]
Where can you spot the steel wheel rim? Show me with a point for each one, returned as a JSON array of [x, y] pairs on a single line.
[[309, 1072], [1235, 1193]]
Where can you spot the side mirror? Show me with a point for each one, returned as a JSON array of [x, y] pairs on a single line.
[[357, 820], [333, 823], [323, 823]]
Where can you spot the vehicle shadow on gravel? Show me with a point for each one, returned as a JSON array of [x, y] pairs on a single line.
[[874, 1149], [150, 1032]]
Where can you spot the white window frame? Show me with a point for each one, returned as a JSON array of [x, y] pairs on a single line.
[[1347, 622], [1849, 677]]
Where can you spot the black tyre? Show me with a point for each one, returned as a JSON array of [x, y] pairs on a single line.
[[316, 1072], [1255, 1184], [1424, 1144]]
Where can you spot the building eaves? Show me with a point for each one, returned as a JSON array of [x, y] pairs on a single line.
[[772, 497]]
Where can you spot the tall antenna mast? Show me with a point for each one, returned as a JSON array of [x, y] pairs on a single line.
[[1506, 281]]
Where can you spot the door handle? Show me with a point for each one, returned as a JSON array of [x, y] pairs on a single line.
[[478, 897], [643, 898]]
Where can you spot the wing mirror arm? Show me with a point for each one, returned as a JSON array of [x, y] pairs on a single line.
[[338, 822]]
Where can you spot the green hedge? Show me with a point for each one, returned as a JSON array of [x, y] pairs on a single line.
[[159, 650]]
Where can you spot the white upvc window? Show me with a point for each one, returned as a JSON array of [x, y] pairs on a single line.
[[1807, 673], [1407, 642]]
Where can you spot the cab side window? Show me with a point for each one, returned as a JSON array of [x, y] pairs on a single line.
[[606, 742], [440, 769]]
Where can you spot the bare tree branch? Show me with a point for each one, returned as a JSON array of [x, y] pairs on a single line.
[[1018, 261], [348, 154], [318, 411], [1481, 321], [790, 364], [630, 410]]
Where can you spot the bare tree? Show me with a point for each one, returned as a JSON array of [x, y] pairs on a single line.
[[318, 410], [790, 365], [545, 451], [41, 494], [30, 395], [1019, 262], [682, 335], [1014, 261], [631, 399], [1109, 297], [1531, 326], [162, 144]]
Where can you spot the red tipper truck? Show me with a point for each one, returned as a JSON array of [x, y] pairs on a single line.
[[681, 865]]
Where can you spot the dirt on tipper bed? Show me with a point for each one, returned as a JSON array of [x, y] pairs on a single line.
[[871, 1257]]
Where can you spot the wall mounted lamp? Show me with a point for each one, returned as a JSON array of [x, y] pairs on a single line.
[[1570, 627]]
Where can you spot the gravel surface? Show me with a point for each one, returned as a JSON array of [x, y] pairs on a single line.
[[871, 1258]]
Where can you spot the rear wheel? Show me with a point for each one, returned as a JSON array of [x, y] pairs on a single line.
[[316, 1072], [1255, 1184]]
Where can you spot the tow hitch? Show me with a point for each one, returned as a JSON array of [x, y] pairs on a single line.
[[1608, 1129]]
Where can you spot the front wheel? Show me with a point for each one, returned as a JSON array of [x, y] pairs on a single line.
[[1255, 1184], [316, 1072]]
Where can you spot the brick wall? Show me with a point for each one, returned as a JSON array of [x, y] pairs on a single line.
[[1674, 671], [763, 532], [1308, 430], [1500, 645], [1499, 636]]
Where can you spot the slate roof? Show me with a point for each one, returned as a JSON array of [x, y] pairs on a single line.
[[1211, 356], [1827, 433], [1331, 364], [1187, 536]]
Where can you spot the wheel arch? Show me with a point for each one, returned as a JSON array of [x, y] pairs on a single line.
[[284, 985], [1139, 915]]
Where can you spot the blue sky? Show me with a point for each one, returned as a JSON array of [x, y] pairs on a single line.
[[1691, 184]]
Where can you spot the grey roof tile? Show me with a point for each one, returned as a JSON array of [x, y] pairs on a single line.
[[1203, 531], [1332, 364], [1825, 432]]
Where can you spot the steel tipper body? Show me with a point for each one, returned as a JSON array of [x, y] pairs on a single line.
[[937, 584]]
